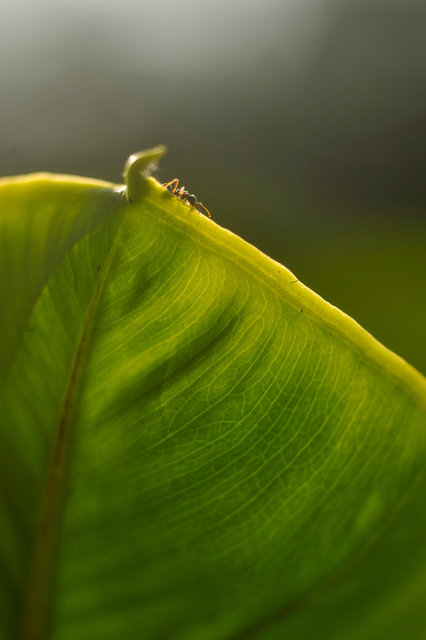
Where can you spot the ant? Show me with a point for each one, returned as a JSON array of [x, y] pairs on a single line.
[[184, 195]]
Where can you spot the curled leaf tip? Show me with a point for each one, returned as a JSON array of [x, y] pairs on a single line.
[[138, 167]]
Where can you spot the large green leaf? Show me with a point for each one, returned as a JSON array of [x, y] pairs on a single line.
[[193, 445]]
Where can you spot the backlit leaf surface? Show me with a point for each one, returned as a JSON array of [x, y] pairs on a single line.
[[193, 445]]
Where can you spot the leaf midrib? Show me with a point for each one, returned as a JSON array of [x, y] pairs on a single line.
[[36, 607]]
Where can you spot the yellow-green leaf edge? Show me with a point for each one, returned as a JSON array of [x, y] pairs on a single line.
[[274, 275]]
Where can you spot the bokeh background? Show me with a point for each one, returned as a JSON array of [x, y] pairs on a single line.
[[297, 122]]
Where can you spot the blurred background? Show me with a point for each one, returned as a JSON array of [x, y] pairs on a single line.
[[297, 122]]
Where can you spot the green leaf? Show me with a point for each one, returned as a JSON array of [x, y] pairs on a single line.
[[193, 445]]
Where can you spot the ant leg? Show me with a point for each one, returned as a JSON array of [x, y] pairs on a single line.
[[175, 181], [205, 208]]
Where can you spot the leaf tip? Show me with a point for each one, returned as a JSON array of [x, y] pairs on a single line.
[[138, 167]]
